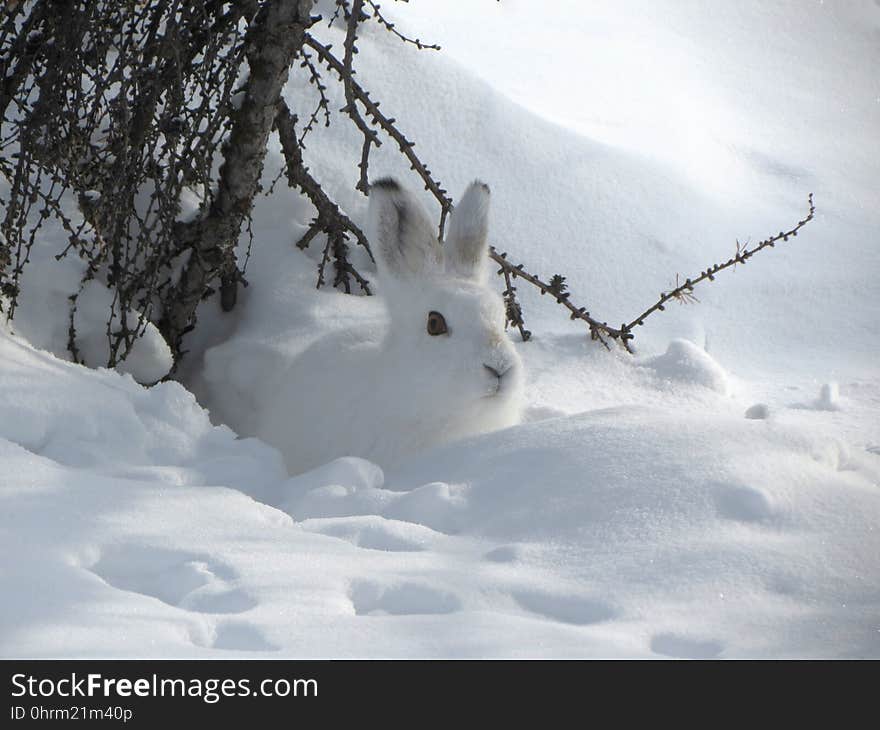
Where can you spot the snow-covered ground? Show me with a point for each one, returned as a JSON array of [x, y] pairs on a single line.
[[715, 495]]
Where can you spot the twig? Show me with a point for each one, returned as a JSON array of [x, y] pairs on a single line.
[[387, 125], [370, 136], [682, 292], [512, 308], [390, 27], [323, 101], [330, 219], [556, 290], [742, 255]]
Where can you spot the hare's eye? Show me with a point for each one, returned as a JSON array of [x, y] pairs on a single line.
[[436, 324]]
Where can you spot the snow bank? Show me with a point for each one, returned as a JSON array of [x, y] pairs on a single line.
[[586, 535], [685, 362], [43, 312], [106, 423]]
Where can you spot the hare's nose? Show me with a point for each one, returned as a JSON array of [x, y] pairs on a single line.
[[497, 373]]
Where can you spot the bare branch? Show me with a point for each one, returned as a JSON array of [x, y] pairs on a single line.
[[330, 219], [554, 289], [741, 257], [387, 125], [682, 292], [323, 102], [390, 27]]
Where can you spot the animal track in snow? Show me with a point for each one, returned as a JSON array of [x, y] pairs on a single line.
[[214, 598], [401, 599], [785, 584], [374, 533], [437, 505], [759, 412], [177, 578], [682, 647], [745, 504], [568, 609], [235, 636], [504, 554]]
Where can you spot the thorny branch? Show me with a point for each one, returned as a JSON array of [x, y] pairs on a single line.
[[351, 108], [512, 308], [111, 111], [329, 219], [323, 102], [392, 28], [601, 331], [556, 288], [387, 124], [145, 103], [741, 257]]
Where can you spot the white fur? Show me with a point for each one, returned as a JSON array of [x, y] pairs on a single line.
[[385, 393]]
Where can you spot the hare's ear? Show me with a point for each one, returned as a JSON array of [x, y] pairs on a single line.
[[466, 243], [400, 231]]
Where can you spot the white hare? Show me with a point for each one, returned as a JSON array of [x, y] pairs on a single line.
[[443, 368]]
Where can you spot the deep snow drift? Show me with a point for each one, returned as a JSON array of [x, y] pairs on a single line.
[[628, 531], [715, 495]]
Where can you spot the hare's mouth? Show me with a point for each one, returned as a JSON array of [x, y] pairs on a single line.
[[496, 389], [498, 380]]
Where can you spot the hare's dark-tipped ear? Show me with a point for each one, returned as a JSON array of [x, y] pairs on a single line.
[[400, 232], [466, 244]]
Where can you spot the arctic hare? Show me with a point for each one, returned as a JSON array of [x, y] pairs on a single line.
[[443, 368]]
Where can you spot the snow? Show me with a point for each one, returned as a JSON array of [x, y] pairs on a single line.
[[141, 529], [684, 362], [758, 411], [829, 396], [715, 495], [43, 314]]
